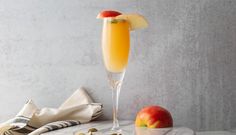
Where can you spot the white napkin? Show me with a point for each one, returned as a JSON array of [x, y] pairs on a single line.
[[77, 109]]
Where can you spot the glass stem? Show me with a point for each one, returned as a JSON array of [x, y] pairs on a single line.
[[115, 81], [115, 100]]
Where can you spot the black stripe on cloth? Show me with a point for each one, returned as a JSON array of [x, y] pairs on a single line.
[[20, 120], [96, 116], [13, 127], [93, 118], [19, 129], [98, 112], [48, 129], [73, 122], [32, 127], [70, 123], [23, 130], [67, 124], [53, 127], [8, 133], [61, 125], [57, 125]]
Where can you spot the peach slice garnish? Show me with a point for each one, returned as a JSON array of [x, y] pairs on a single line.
[[136, 21]]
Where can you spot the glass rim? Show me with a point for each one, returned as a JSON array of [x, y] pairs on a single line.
[[113, 19]]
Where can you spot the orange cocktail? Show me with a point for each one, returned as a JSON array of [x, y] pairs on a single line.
[[115, 44]]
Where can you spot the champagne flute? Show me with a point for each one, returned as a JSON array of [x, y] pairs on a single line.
[[115, 50]]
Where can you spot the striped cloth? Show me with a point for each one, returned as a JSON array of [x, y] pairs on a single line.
[[77, 109], [55, 126]]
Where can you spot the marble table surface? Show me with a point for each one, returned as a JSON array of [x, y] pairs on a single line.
[[126, 125]]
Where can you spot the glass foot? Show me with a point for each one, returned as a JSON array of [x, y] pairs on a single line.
[[116, 132], [113, 132]]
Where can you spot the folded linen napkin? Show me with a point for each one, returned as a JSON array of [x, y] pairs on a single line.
[[78, 108]]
